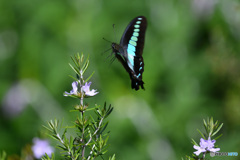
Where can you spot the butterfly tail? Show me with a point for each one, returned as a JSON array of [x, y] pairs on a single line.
[[136, 83]]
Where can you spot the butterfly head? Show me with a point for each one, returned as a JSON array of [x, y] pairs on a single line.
[[115, 47]]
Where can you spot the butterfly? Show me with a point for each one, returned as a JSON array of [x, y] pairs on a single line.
[[129, 51]]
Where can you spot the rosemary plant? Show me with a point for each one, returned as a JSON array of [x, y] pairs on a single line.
[[207, 142], [90, 141]]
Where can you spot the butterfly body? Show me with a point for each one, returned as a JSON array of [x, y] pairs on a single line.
[[129, 51]]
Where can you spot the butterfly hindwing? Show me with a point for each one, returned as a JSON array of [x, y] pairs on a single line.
[[138, 70]]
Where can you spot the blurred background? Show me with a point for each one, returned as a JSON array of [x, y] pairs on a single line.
[[192, 64]]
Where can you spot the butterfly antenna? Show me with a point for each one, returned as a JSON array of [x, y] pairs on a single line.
[[114, 33], [107, 40]]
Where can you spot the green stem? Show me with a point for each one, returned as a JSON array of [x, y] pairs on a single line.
[[204, 154], [91, 137], [83, 120], [99, 125], [91, 151], [82, 112]]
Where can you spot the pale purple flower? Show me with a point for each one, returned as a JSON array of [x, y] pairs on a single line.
[[86, 89], [205, 145], [16, 100], [74, 90], [40, 147]]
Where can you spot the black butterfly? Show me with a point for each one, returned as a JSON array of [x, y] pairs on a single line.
[[129, 51]]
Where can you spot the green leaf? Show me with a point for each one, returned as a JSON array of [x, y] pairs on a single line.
[[51, 125], [48, 129], [109, 111], [62, 148], [55, 137], [71, 142], [55, 124], [211, 126], [216, 124], [89, 77], [112, 158], [105, 141], [98, 113], [75, 79], [100, 142], [81, 57], [89, 109], [46, 157], [194, 142], [205, 124], [74, 69], [103, 152], [218, 129], [218, 136], [85, 66], [94, 126], [74, 61], [105, 106], [104, 127], [201, 133], [64, 133]]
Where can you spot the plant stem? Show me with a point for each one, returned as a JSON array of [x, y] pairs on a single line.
[[99, 125], [204, 154], [91, 137], [91, 151], [82, 112], [83, 119]]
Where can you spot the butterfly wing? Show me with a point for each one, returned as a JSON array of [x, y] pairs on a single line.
[[130, 50], [134, 35], [132, 43]]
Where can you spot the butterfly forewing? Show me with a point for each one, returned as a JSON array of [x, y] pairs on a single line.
[[134, 35]]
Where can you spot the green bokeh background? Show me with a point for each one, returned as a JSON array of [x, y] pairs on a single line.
[[192, 71]]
